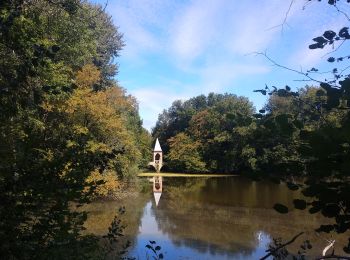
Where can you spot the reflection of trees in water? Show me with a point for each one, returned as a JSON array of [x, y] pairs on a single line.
[[101, 214], [207, 228], [223, 216], [246, 193]]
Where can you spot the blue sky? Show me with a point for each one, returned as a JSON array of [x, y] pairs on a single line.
[[180, 49]]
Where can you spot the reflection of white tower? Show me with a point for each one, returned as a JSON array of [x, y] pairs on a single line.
[[157, 161], [157, 188]]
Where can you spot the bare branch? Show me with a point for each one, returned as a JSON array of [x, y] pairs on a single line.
[[302, 80], [334, 49], [286, 68], [344, 69], [331, 244], [285, 18], [340, 11]]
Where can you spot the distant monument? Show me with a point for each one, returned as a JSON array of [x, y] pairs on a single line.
[[157, 163]]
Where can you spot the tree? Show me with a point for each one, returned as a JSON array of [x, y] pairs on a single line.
[[184, 155], [61, 131]]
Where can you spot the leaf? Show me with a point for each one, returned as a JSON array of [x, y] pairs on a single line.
[[299, 204], [344, 33], [329, 35], [152, 242], [280, 208], [316, 207], [157, 248], [320, 40], [160, 256], [262, 91], [343, 227], [325, 228], [313, 46], [262, 111], [331, 59]]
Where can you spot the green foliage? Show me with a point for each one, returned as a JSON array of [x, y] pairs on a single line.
[[215, 126], [59, 123], [184, 155]]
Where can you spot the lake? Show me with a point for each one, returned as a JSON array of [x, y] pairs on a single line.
[[210, 218]]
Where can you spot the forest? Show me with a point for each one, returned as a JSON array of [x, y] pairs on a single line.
[[70, 133]]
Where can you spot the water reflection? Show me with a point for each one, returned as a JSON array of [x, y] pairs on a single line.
[[189, 245], [157, 188], [216, 218]]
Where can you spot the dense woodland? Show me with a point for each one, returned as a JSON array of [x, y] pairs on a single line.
[[223, 133], [70, 133]]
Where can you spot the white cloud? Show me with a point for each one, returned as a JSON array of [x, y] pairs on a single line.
[[135, 19], [251, 28], [195, 28], [152, 100], [218, 77]]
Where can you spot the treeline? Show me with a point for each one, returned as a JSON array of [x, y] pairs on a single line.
[[223, 133], [68, 131]]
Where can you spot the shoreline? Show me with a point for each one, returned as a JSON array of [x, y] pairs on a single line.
[[169, 174]]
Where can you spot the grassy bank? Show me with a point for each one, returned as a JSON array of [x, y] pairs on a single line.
[[170, 174]]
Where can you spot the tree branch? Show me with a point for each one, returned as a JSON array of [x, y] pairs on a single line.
[[340, 11], [285, 18], [286, 68], [281, 246], [334, 49], [331, 244]]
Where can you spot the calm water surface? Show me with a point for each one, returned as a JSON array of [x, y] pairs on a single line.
[[210, 218]]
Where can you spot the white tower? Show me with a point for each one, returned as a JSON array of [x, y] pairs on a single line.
[[157, 161]]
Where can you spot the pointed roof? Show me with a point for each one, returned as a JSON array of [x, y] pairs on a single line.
[[157, 147], [157, 197]]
